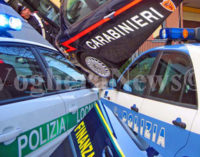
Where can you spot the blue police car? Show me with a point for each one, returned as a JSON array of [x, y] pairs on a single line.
[[157, 96]]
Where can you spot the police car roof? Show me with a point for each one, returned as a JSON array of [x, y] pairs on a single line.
[[176, 47], [26, 35]]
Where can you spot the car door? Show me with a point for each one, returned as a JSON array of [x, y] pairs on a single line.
[[126, 102], [32, 122], [70, 85], [171, 105]]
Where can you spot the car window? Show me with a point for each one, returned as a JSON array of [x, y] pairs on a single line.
[[78, 9], [48, 9], [136, 77], [45, 7], [20, 74], [65, 75], [174, 79]]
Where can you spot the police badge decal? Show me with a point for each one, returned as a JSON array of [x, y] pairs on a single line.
[[168, 5]]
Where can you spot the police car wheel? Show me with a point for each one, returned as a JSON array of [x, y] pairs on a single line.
[[96, 65]]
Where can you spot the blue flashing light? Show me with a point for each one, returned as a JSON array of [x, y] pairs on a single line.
[[15, 23], [4, 21], [10, 23], [178, 33]]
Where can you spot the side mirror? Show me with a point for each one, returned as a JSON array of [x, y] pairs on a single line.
[[112, 83], [127, 88], [136, 86], [21, 60]]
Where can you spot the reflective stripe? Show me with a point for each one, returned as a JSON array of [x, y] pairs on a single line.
[[120, 153]]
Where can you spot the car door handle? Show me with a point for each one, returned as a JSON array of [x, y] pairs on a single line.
[[73, 109], [179, 123], [134, 108], [10, 135], [106, 95], [110, 15]]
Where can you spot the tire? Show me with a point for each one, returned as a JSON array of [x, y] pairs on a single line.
[[96, 64]]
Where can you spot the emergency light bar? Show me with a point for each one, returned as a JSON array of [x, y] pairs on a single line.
[[8, 22], [180, 33]]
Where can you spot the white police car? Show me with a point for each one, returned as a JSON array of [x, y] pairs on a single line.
[[42, 96], [157, 96]]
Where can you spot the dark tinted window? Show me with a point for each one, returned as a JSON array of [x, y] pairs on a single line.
[[65, 75], [78, 9], [174, 79], [20, 74], [136, 78]]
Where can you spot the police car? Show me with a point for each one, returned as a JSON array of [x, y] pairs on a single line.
[[104, 34], [157, 96], [42, 95]]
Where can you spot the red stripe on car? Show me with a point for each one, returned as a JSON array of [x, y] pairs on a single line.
[[94, 26]]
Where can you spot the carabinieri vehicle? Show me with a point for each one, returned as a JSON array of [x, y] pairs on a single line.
[[105, 33], [42, 95], [158, 95]]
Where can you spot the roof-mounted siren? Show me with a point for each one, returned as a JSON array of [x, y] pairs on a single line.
[[10, 23], [182, 34]]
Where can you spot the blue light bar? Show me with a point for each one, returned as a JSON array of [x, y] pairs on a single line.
[[8, 22], [178, 33]]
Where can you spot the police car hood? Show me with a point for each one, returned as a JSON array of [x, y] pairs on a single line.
[[118, 36]]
